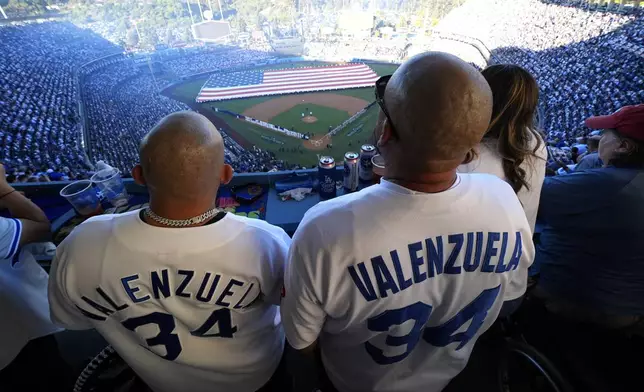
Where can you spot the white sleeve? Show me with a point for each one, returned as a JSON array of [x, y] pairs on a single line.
[[302, 313], [63, 311], [278, 253], [10, 232], [518, 280]]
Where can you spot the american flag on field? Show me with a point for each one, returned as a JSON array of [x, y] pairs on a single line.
[[254, 83]]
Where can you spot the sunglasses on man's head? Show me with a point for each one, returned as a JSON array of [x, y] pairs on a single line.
[[381, 85]]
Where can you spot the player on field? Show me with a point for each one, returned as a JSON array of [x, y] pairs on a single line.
[[396, 282], [185, 293]]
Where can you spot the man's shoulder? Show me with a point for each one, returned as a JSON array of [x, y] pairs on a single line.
[[97, 227], [330, 211], [258, 227], [485, 182]]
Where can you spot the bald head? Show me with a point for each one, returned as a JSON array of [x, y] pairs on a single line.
[[182, 157], [440, 108]]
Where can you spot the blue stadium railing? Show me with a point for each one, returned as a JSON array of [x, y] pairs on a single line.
[[286, 214]]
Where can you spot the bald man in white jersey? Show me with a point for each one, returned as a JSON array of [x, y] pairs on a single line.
[[185, 293], [395, 283]]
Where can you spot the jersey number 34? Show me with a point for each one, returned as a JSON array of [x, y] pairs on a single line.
[[170, 340], [391, 321]]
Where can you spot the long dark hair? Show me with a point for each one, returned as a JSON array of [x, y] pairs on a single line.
[[516, 95]]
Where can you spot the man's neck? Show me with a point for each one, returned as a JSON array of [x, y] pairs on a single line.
[[425, 183], [180, 210]]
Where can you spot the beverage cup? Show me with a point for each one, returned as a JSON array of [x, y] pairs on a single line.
[[82, 196], [378, 162], [111, 185]]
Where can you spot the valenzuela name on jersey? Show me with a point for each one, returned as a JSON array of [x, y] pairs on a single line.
[[479, 251], [207, 287]]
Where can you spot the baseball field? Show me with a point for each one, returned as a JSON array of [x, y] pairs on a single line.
[[312, 114]]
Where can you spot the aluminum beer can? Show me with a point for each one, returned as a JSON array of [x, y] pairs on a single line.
[[326, 175], [351, 179], [366, 167]]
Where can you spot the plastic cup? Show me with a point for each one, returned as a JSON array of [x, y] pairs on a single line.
[[378, 162], [82, 196], [111, 185]]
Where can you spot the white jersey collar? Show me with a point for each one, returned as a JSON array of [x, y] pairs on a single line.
[[401, 189]]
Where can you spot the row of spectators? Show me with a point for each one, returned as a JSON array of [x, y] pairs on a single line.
[[39, 119], [40, 124], [206, 60], [586, 62], [368, 48]]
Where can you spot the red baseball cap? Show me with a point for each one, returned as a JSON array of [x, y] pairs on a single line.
[[627, 121]]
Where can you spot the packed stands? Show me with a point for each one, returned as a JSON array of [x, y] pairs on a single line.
[[39, 120], [587, 62], [208, 60]]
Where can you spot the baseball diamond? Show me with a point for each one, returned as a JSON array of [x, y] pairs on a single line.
[[313, 114]]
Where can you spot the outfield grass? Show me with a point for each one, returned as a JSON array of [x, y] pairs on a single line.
[[328, 118], [294, 151], [253, 134]]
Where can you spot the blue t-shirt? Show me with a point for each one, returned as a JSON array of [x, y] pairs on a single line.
[[592, 245]]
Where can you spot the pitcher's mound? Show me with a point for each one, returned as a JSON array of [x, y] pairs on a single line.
[[309, 119]]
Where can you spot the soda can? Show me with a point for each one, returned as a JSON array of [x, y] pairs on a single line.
[[351, 179], [326, 175], [365, 172]]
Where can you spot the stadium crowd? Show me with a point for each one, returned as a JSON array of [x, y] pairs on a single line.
[[39, 120], [207, 60], [586, 62]]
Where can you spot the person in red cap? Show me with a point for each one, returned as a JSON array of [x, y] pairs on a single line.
[[590, 256], [623, 133]]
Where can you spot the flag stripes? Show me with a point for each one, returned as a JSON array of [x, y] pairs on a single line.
[[273, 82]]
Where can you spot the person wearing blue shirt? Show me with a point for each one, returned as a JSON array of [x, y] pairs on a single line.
[[591, 251], [591, 159], [590, 291]]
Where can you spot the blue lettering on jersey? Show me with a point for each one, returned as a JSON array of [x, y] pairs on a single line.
[[470, 264], [416, 261], [363, 283], [97, 306], [490, 251], [500, 268], [131, 291], [384, 280], [457, 240], [493, 261], [516, 254], [227, 292], [110, 301], [400, 274], [160, 285], [204, 283], [434, 256], [184, 283], [239, 304]]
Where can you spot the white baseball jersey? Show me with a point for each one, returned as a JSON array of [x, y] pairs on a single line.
[[398, 285], [189, 309], [24, 311]]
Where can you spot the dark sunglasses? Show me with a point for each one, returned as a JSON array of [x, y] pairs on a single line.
[[381, 85]]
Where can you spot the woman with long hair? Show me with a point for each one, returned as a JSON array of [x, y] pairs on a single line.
[[512, 148]]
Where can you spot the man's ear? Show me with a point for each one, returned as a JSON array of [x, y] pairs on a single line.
[[472, 154], [137, 175], [226, 174], [386, 135], [626, 146]]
